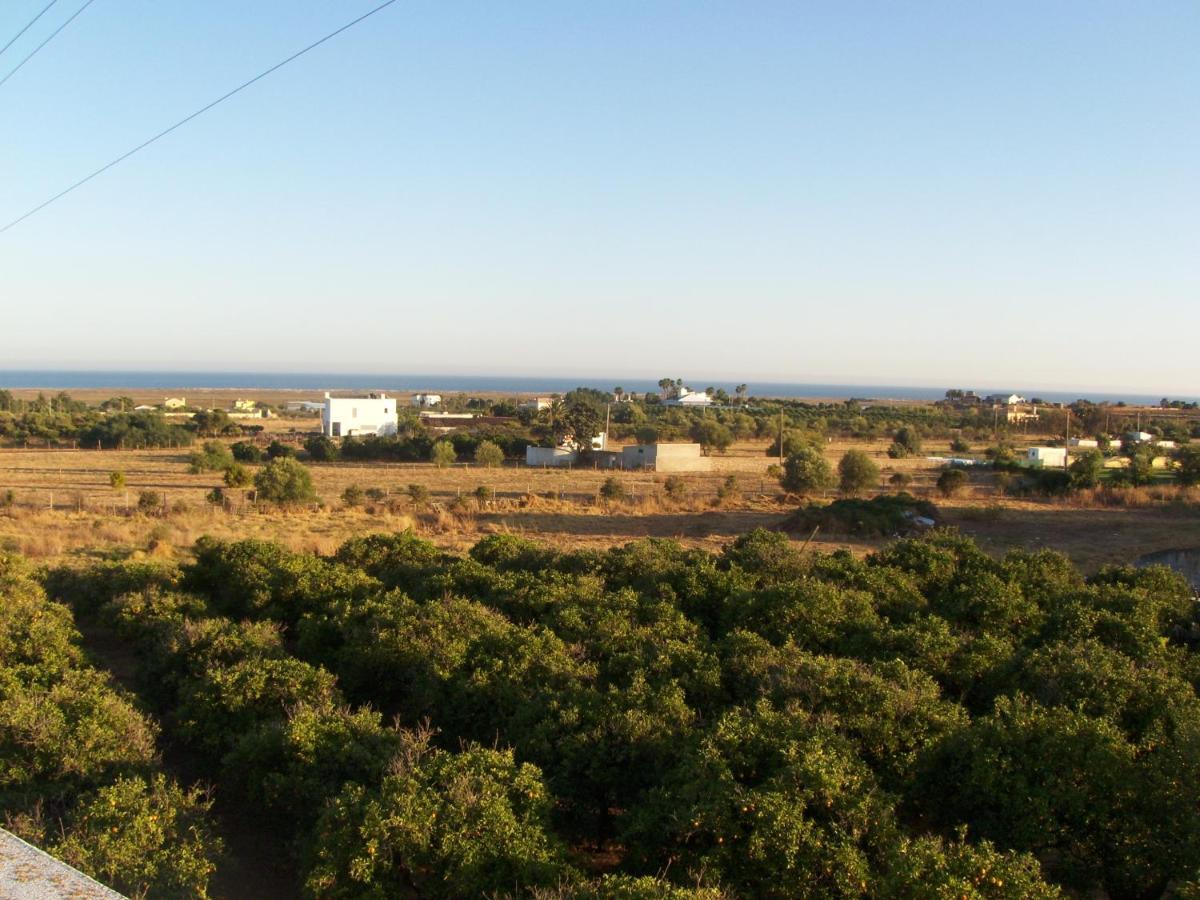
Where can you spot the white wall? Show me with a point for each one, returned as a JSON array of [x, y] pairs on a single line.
[[349, 416]]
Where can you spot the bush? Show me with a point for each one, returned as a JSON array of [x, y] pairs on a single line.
[[237, 476], [284, 480], [442, 454], [467, 824], [277, 449], [806, 471], [1187, 465], [146, 838], [1087, 469], [216, 497], [246, 452], [149, 502], [489, 455], [213, 456], [857, 472], [116, 480], [321, 448], [881, 516], [484, 494], [951, 481], [728, 488], [418, 494], [900, 479], [675, 487], [612, 488], [353, 496], [959, 445]]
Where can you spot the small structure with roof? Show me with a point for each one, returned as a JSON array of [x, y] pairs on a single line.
[[27, 873]]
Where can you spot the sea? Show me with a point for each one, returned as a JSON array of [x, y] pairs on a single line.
[[70, 379]]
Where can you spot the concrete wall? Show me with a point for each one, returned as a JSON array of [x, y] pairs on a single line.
[[348, 416], [666, 458], [549, 456]]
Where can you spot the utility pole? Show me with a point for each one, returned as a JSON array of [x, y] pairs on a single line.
[[1067, 451], [781, 436]]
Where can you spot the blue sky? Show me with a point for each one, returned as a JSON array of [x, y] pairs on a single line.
[[922, 193]]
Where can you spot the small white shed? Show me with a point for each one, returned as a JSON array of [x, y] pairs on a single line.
[[1047, 456]]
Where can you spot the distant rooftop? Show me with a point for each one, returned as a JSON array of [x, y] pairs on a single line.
[[27, 873]]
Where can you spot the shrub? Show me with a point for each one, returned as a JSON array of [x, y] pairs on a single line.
[[857, 472], [321, 448], [237, 475], [484, 494], [353, 496], [213, 456], [1087, 469], [489, 455], [880, 516], [1187, 465], [951, 481], [806, 471], [216, 497], [284, 480], [149, 502], [442, 454], [728, 489], [277, 449], [900, 479], [246, 452], [418, 494], [467, 824], [675, 487], [147, 838], [612, 488], [960, 445], [116, 480]]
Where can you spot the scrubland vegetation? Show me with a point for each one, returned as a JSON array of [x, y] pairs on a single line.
[[642, 721]]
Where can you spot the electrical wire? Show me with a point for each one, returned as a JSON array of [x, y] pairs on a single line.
[[53, 35], [27, 27], [162, 134]]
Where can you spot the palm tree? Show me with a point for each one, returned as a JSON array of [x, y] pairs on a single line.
[[740, 390]]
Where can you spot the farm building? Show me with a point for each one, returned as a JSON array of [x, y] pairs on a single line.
[[426, 400], [1139, 437], [689, 398], [1047, 456], [665, 458], [304, 406], [349, 416], [1085, 443]]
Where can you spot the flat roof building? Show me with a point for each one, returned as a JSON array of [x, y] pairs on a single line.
[[374, 414]]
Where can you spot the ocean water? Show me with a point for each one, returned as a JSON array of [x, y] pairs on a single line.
[[68, 380]]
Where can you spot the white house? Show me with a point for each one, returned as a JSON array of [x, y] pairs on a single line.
[[1049, 457], [1005, 399], [349, 416], [1085, 443], [1139, 437], [175, 402], [537, 403], [426, 400], [688, 397]]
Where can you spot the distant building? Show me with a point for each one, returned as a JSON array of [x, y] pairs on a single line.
[[352, 416], [245, 405], [1139, 437], [174, 403], [688, 397], [1005, 399], [426, 400], [666, 458], [1085, 443], [1015, 415], [1050, 457], [537, 403], [304, 406]]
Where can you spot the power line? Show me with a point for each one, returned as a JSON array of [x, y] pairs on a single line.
[[27, 27], [162, 134], [53, 35]]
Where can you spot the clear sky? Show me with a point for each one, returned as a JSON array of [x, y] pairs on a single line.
[[903, 193]]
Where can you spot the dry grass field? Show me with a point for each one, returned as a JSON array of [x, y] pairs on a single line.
[[63, 507]]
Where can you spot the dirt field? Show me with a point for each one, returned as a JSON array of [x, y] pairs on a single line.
[[63, 507]]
